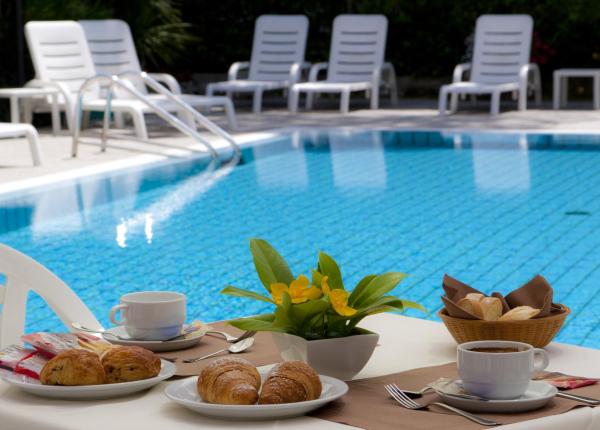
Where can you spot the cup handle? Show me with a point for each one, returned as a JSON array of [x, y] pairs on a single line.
[[543, 361], [113, 315]]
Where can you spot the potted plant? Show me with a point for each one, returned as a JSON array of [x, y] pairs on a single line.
[[317, 320]]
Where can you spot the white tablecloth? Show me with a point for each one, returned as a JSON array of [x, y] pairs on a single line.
[[405, 343]]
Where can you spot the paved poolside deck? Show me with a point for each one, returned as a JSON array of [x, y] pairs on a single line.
[[16, 169]]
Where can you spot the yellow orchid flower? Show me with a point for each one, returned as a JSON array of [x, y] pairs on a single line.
[[325, 285], [339, 301], [298, 290]]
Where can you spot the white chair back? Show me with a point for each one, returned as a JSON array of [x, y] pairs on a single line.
[[502, 46], [279, 42], [60, 53], [112, 48], [357, 47], [23, 274]]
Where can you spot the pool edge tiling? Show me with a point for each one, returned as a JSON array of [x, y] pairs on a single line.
[[492, 209]]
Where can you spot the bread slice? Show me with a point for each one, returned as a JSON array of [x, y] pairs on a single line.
[[491, 308], [475, 299], [520, 313]]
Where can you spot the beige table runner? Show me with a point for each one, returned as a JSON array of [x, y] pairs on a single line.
[[262, 352], [367, 404]]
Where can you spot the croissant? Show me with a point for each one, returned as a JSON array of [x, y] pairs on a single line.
[[229, 381], [289, 382], [129, 363], [73, 367]]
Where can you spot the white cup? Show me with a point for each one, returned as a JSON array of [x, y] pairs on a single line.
[[499, 375], [151, 315]]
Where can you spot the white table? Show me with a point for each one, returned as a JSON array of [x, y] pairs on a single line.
[[405, 343], [561, 79], [27, 93]]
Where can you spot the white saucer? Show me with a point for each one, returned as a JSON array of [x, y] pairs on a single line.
[[88, 392], [537, 395], [185, 393], [153, 345]]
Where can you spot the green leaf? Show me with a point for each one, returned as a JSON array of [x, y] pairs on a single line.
[[303, 312], [270, 265], [360, 287], [316, 278], [329, 268], [238, 292], [377, 287], [414, 305], [259, 323]]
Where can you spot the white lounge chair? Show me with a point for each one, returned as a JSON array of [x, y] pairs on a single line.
[[62, 60], [276, 62], [500, 63], [113, 52], [23, 275], [356, 61], [8, 130]]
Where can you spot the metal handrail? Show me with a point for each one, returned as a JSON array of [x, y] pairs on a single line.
[[205, 122], [115, 81]]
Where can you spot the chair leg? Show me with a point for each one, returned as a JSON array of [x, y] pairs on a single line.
[[522, 98], [596, 92], [393, 90], [556, 90], [257, 101], [55, 114], [564, 91], [310, 99], [230, 112], [495, 103], [345, 101], [375, 97], [442, 100], [119, 120], [85, 119], [453, 102], [293, 100], [210, 90], [34, 145], [139, 124]]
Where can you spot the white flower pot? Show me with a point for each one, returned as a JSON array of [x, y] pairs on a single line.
[[341, 357]]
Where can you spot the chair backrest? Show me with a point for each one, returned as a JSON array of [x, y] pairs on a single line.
[[60, 53], [24, 274], [357, 47], [502, 46], [112, 48], [279, 42]]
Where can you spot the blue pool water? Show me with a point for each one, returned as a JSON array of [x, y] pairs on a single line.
[[490, 209]]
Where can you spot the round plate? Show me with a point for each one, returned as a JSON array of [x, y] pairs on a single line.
[[185, 393], [89, 392], [537, 395], [152, 345]]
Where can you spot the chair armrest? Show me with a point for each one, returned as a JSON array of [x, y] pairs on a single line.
[[169, 81], [524, 73], [459, 71], [315, 69], [235, 68]]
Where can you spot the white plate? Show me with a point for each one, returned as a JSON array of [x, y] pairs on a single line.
[[89, 392], [152, 345], [185, 393], [537, 395]]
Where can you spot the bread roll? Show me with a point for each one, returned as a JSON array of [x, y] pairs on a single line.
[[129, 363], [519, 313], [289, 382], [475, 299], [491, 308], [229, 381], [73, 367], [466, 305]]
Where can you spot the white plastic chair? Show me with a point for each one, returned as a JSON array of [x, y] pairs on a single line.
[[113, 52], [356, 62], [62, 60], [500, 63], [276, 62], [24, 274], [8, 130]]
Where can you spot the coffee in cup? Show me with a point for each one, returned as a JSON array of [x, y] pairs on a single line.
[[151, 315], [496, 369]]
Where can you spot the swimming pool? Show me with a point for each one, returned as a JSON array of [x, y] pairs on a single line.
[[492, 209]]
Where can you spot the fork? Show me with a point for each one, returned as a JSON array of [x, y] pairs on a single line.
[[408, 403], [422, 391]]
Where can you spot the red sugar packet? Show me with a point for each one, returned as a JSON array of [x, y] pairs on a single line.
[[31, 365], [12, 355], [565, 382]]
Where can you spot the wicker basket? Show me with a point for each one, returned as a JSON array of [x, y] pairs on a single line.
[[538, 332]]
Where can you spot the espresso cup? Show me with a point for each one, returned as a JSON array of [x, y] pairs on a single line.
[[151, 315], [502, 370]]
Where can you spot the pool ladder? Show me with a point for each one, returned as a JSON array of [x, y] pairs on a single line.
[[122, 82]]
